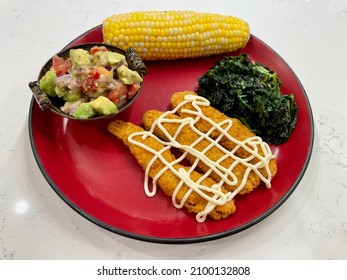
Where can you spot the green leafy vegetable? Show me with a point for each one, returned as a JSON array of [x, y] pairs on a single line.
[[250, 92]]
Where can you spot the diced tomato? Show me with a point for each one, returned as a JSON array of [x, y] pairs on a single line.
[[94, 73], [91, 82], [117, 94], [133, 88], [89, 85], [61, 66], [96, 49]]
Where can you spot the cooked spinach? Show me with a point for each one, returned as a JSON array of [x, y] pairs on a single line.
[[250, 92]]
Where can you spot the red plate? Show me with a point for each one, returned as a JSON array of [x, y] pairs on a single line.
[[95, 174]]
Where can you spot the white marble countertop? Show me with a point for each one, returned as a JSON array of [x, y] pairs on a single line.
[[312, 224]]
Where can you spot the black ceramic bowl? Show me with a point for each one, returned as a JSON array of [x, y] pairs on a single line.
[[45, 102]]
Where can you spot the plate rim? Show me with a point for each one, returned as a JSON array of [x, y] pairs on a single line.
[[167, 240]]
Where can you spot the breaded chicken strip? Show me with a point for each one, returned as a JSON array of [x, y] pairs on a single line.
[[238, 130], [168, 181], [188, 136]]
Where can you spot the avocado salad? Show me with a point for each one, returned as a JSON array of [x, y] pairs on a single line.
[[91, 83]]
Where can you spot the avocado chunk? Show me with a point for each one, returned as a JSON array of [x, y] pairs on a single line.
[[80, 57], [128, 76], [114, 58], [100, 58], [104, 106], [59, 92], [71, 95], [84, 111], [70, 107], [47, 83]]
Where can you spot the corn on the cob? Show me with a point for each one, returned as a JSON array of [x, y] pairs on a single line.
[[175, 34]]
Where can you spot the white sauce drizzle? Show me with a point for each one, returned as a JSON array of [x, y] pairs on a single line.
[[251, 145]]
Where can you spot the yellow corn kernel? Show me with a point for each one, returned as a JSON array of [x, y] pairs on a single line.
[[175, 34]]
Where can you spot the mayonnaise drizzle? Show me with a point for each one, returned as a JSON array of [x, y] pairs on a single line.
[[251, 145]]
